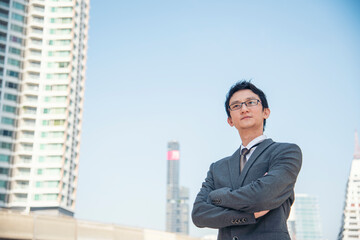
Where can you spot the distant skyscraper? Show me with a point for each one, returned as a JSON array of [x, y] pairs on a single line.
[[42, 76], [350, 227], [177, 207], [304, 223]]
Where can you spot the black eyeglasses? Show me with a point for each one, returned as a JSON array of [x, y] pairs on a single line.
[[249, 103]]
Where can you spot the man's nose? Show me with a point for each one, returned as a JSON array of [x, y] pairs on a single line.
[[244, 108]]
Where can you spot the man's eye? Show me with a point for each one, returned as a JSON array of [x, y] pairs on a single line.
[[235, 106], [251, 102]]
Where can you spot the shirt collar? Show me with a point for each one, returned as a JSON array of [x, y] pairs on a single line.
[[256, 140]]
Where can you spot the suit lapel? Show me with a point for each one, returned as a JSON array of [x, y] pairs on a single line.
[[259, 149], [234, 168]]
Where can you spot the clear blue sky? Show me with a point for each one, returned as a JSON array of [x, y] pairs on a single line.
[[159, 70]]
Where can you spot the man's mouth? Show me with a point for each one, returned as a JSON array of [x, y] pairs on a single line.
[[246, 117]]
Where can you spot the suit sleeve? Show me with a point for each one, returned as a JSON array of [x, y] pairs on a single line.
[[205, 214], [269, 191]]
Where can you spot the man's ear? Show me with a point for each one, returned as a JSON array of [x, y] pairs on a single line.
[[230, 122], [266, 113]]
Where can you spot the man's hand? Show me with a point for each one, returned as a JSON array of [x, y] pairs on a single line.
[[261, 213]]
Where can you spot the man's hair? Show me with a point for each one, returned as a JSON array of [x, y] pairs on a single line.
[[241, 85]]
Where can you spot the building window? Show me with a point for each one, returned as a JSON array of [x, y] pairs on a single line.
[[17, 28], [6, 133], [8, 121], [14, 62], [10, 97], [15, 51], [18, 17], [9, 109], [61, 9], [16, 40], [4, 13], [5, 145], [2, 35], [4, 158], [19, 6], [12, 73], [35, 52], [61, 42], [4, 171], [11, 85], [3, 184]]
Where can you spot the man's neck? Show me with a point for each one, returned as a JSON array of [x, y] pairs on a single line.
[[247, 137]]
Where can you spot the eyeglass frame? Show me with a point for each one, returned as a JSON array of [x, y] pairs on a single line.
[[246, 104]]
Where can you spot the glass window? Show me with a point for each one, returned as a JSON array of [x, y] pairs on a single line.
[[30, 110], [39, 184], [19, 6], [14, 62], [4, 158], [35, 52], [39, 8], [17, 28], [11, 85], [6, 133], [16, 39], [18, 17], [8, 121], [2, 35], [60, 31], [3, 184], [5, 145], [59, 53], [4, 170], [51, 197], [10, 97], [61, 9], [12, 73], [37, 197], [29, 122], [38, 19], [9, 109], [61, 42]]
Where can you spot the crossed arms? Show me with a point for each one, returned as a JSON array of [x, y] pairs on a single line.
[[223, 207]]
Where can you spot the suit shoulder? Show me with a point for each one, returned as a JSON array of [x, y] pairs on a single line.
[[221, 162], [285, 145]]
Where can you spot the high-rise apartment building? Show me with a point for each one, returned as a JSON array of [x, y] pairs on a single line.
[[304, 222], [350, 226], [43, 47], [177, 207]]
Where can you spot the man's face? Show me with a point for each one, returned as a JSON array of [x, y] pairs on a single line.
[[247, 117]]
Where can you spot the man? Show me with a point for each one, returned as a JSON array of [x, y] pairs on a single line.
[[249, 194]]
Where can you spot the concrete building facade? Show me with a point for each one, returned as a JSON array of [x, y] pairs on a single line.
[[43, 48], [16, 226]]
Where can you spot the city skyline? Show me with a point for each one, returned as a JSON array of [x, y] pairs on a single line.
[[160, 70]]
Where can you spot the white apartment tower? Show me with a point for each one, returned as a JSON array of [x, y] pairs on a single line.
[[350, 227], [43, 47]]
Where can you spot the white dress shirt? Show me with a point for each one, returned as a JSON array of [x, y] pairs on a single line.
[[257, 140]]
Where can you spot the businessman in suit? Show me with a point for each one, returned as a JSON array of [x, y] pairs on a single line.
[[248, 195]]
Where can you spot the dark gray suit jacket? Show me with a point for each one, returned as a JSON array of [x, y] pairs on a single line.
[[227, 199]]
